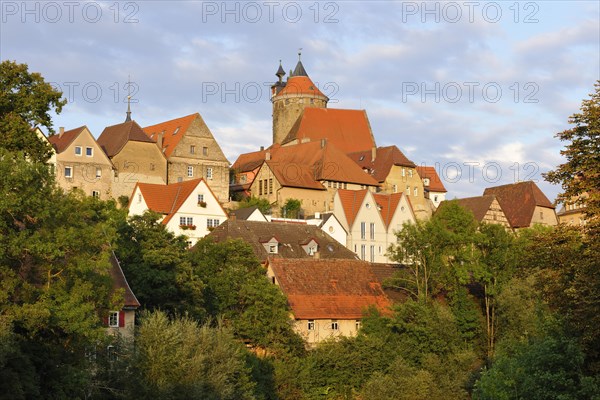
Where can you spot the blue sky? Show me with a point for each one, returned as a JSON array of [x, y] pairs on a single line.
[[476, 88]]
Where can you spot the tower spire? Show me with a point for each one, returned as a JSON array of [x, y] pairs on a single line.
[[128, 118]]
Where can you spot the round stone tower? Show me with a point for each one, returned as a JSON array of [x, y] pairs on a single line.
[[291, 97]]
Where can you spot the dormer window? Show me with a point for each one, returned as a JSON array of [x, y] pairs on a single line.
[[426, 181], [311, 247], [272, 248], [176, 130], [312, 251]]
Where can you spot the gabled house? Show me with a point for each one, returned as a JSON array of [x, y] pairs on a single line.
[[282, 240], [433, 185], [81, 163], [329, 224], [328, 298], [310, 172], [121, 322], [484, 208], [134, 155], [396, 174], [524, 204], [371, 221], [189, 208], [192, 152], [52, 160]]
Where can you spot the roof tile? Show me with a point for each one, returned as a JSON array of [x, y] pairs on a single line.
[[172, 130]]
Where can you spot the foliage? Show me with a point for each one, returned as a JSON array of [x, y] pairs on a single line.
[[25, 102], [547, 367], [263, 204], [580, 174], [180, 359], [291, 209], [236, 289], [156, 265]]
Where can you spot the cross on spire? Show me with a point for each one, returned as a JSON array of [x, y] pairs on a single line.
[[128, 118]]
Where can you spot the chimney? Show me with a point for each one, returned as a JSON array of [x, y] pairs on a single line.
[[232, 217], [159, 140], [317, 215], [317, 255], [268, 155], [262, 148], [323, 143], [61, 131], [373, 153]]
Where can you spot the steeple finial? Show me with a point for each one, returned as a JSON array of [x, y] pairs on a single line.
[[128, 118], [280, 72], [300, 54]]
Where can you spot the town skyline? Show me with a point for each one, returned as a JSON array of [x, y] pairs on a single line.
[[407, 73]]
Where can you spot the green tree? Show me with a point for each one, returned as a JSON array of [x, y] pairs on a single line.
[[580, 174], [26, 101], [263, 204], [236, 289], [180, 359], [157, 268], [291, 209]]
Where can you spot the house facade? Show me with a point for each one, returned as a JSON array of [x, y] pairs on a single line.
[[121, 322], [81, 163], [328, 298], [189, 208], [485, 209], [371, 221], [524, 204], [192, 152], [434, 188], [134, 156]]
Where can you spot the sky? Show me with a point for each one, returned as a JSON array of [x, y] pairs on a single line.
[[477, 89]]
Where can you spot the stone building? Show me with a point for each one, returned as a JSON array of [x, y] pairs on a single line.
[[192, 152], [291, 97], [81, 163], [435, 191], [134, 156]]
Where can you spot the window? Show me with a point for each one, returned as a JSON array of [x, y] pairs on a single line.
[[372, 230], [311, 325], [357, 324], [152, 167], [273, 249], [190, 171], [95, 194], [113, 319], [363, 251], [98, 172], [176, 130], [328, 184], [139, 198], [407, 190], [68, 172], [410, 173], [345, 185], [200, 198], [190, 220], [270, 185], [541, 215], [181, 220], [192, 149], [363, 228], [260, 187], [334, 325], [416, 191], [395, 188], [205, 151], [212, 223], [77, 150], [403, 172], [312, 251], [426, 181], [89, 151], [372, 253], [435, 198], [209, 174], [179, 179]]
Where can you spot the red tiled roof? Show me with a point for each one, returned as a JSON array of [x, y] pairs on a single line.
[[435, 183], [247, 162], [349, 130], [167, 199], [351, 202], [61, 142], [114, 138], [172, 130], [387, 204], [479, 205], [385, 158], [120, 282], [324, 289], [518, 201], [300, 85], [304, 165]]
